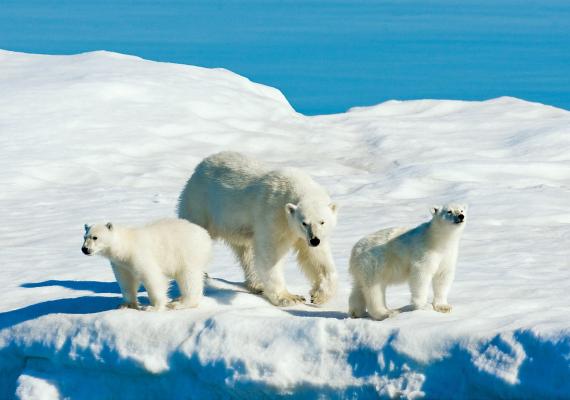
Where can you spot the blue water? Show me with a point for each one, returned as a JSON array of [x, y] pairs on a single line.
[[326, 56]]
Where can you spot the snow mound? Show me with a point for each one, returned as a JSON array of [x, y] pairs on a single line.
[[103, 136]]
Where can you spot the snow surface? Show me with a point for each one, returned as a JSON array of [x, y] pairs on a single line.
[[106, 137]]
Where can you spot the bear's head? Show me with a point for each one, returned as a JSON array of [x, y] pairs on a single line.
[[311, 221], [97, 238], [449, 216]]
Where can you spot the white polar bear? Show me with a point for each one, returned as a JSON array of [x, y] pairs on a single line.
[[423, 255], [262, 214], [169, 248]]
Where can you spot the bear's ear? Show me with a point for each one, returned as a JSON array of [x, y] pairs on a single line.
[[109, 226], [435, 209], [290, 208], [86, 227], [334, 207]]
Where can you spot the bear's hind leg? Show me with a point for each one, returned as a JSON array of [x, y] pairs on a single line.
[[191, 285], [375, 297], [244, 254], [356, 303]]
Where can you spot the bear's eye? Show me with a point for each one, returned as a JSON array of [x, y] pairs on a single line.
[[304, 224], [449, 212], [322, 222], [94, 237]]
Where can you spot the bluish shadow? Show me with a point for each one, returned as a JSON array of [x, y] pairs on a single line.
[[317, 314], [222, 295], [95, 304], [78, 305], [93, 286], [240, 285]]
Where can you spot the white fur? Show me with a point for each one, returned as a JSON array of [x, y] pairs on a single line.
[[420, 256], [151, 255], [261, 214]]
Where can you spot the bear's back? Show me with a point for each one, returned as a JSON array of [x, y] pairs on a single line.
[[373, 242], [170, 240], [230, 169], [171, 227], [294, 184]]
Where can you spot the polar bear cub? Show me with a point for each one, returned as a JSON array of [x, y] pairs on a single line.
[[168, 248], [420, 256]]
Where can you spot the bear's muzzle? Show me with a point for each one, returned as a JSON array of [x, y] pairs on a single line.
[[314, 241]]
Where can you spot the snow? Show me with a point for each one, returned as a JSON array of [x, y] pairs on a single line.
[[101, 137]]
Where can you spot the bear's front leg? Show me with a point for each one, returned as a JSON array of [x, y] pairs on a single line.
[[420, 278], [318, 265], [269, 258], [129, 285], [441, 284]]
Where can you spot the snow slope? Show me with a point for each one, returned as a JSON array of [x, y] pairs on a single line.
[[106, 137]]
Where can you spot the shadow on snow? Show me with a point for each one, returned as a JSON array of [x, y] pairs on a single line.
[[95, 304]]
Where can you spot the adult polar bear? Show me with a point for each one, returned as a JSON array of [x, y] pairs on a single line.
[[262, 214]]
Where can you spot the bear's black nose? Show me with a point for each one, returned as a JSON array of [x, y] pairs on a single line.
[[461, 217], [314, 242], [85, 250]]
